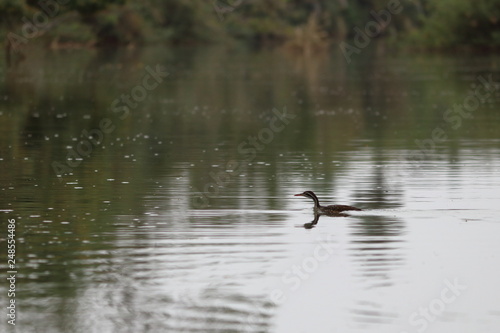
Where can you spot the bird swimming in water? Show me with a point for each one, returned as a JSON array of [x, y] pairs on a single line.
[[326, 210]]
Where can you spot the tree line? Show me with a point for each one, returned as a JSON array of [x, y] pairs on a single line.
[[298, 24]]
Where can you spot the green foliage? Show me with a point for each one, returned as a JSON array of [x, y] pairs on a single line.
[[10, 12], [454, 23], [426, 23], [180, 21], [257, 21], [116, 26]]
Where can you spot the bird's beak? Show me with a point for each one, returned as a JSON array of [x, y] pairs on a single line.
[[299, 195]]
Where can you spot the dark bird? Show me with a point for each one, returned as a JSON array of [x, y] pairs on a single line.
[[326, 210]]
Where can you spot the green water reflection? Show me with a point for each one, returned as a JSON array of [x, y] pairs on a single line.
[[168, 148]]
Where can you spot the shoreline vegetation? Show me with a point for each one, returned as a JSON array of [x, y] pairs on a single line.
[[300, 26]]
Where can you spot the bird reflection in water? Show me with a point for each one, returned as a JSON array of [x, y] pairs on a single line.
[[313, 223]]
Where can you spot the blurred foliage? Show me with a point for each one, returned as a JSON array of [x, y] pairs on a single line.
[[301, 24], [10, 12], [452, 23], [180, 21]]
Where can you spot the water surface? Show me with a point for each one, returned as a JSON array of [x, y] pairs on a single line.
[[183, 218]]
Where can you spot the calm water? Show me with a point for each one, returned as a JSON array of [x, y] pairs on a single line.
[[164, 203]]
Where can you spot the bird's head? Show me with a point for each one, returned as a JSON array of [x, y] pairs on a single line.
[[308, 194]]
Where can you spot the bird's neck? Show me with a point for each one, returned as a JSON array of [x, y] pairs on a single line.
[[316, 202]]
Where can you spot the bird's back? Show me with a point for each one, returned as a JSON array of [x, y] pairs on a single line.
[[337, 208]]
